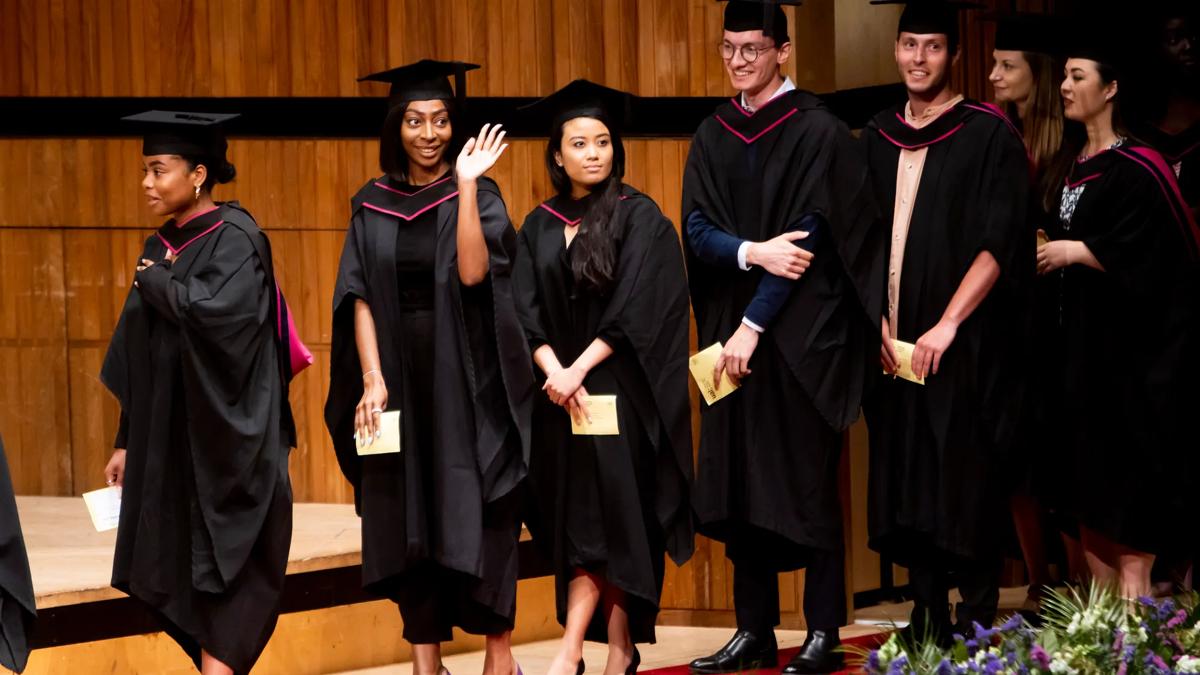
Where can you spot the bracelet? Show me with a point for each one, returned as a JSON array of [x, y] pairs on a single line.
[[373, 370]]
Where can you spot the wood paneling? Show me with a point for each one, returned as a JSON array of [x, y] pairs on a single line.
[[320, 47]]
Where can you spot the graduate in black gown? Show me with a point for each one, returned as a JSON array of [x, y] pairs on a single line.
[[602, 294], [424, 323], [1124, 257], [17, 610], [784, 251], [200, 363], [1167, 111], [952, 179]]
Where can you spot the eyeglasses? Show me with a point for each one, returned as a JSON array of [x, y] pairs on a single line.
[[750, 53]]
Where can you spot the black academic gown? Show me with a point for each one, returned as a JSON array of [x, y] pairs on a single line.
[[767, 471], [612, 504], [938, 451], [198, 364], [1182, 153], [17, 610], [451, 503], [1126, 350]]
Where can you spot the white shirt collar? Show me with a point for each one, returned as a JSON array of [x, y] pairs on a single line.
[[784, 88]]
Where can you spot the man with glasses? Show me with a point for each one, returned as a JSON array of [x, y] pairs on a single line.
[[784, 258]]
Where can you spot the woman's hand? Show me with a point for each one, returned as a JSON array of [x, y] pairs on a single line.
[[480, 154], [576, 406], [1054, 255], [372, 404], [562, 385], [735, 355], [114, 471]]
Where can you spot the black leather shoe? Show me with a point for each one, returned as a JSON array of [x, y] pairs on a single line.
[[635, 663], [818, 655], [745, 651]]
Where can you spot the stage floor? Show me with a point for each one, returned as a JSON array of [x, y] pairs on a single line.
[[71, 563], [676, 645]]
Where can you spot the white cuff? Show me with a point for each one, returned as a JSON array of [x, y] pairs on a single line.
[[753, 326], [742, 251]]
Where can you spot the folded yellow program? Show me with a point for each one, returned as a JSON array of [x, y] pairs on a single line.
[[602, 411], [702, 364], [904, 353], [104, 506], [387, 442], [1042, 238]]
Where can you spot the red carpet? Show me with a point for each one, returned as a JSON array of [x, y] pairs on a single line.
[[785, 655]]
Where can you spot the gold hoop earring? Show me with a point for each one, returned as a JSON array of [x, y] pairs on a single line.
[[197, 193]]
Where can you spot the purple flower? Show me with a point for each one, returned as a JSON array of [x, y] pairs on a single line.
[[1178, 619], [1040, 657]]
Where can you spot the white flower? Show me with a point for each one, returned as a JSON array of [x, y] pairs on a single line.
[[1057, 665], [1188, 664]]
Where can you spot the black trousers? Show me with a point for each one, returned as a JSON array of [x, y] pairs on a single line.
[[756, 593], [978, 582]]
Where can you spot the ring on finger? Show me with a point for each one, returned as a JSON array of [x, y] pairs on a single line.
[[376, 411]]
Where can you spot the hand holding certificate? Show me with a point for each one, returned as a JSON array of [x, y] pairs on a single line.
[[904, 353], [104, 506], [702, 365], [600, 418], [388, 440]]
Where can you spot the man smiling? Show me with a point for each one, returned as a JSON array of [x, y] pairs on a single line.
[[952, 178], [784, 262]]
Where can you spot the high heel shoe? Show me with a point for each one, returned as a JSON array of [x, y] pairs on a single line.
[[579, 668], [635, 662]]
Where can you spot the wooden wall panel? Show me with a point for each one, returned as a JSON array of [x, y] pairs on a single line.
[[320, 47]]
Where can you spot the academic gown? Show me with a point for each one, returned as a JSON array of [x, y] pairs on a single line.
[[17, 610], [198, 363], [938, 451], [464, 398], [1125, 345], [769, 453], [1182, 153], [612, 504]]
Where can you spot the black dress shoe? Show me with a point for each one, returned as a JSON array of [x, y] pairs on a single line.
[[635, 662], [745, 651], [818, 655]]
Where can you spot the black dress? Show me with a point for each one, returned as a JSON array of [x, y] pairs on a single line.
[[612, 504], [198, 363], [441, 518], [1126, 342]]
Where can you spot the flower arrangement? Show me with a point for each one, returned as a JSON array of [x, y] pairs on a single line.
[[1097, 633]]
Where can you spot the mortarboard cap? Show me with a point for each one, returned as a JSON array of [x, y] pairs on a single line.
[[1029, 32], [581, 98], [764, 15], [424, 80], [926, 17], [189, 134]]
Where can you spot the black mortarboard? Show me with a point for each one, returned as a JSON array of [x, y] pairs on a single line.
[[581, 98], [1094, 37], [925, 17], [189, 134], [1028, 32], [425, 80], [764, 15]]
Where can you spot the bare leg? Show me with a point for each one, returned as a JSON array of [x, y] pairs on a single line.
[[1027, 517], [620, 646], [427, 659], [1101, 559], [498, 659], [209, 665], [583, 595], [1135, 572], [1077, 566]]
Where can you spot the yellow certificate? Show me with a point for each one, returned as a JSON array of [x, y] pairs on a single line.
[[904, 352], [104, 506], [602, 409], [701, 364], [387, 442], [1042, 238]]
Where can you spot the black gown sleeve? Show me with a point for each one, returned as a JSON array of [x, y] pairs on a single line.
[[525, 290], [17, 610]]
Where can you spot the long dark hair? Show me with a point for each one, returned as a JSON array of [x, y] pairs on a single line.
[[594, 259], [393, 159], [1075, 140]]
